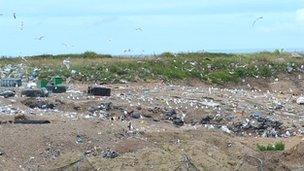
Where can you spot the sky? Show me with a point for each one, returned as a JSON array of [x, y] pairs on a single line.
[[111, 26]]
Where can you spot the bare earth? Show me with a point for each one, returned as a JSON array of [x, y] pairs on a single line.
[[81, 130]]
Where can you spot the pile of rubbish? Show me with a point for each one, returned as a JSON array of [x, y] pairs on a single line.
[[256, 124], [172, 116]]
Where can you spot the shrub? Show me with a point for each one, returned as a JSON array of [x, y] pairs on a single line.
[[278, 146]]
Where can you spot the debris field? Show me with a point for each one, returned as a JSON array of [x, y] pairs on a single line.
[[154, 126]]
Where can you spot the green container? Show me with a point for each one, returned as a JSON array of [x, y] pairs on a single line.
[[42, 83], [57, 80]]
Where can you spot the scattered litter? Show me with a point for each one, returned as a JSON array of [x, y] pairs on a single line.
[[1, 152], [225, 129], [39, 103], [79, 139], [300, 100], [35, 92], [135, 115], [110, 154], [21, 119], [8, 93]]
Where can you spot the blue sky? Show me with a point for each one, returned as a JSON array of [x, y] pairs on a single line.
[[109, 26]]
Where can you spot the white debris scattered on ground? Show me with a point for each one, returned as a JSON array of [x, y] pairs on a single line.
[[300, 100]]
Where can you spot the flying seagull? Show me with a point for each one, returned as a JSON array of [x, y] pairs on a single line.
[[22, 25], [139, 29], [40, 37], [67, 45], [14, 15], [256, 20], [127, 50]]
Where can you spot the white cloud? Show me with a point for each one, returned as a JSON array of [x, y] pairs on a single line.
[[300, 16]]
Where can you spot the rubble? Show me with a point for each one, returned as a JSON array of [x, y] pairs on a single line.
[[178, 121], [56, 89], [110, 154], [8, 93], [172, 116], [21, 119], [39, 103], [225, 129], [35, 92]]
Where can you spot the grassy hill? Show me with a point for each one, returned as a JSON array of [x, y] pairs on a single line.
[[216, 68]]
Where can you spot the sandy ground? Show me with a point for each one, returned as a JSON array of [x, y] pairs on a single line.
[[80, 131]]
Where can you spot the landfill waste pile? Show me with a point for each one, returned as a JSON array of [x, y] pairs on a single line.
[[60, 122]]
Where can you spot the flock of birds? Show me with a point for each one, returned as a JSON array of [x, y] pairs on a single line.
[[22, 26], [139, 29], [67, 45]]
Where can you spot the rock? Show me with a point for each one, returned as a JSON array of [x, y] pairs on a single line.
[[110, 154], [8, 93], [300, 100]]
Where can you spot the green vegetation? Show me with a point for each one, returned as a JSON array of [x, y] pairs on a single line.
[[278, 146], [217, 68]]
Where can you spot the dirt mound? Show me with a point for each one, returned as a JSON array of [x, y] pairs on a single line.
[[294, 158]]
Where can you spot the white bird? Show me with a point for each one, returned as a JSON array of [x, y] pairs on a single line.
[[67, 45], [66, 63], [22, 25], [256, 20]]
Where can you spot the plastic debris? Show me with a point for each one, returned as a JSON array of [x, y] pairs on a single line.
[[8, 93], [110, 154], [35, 92], [300, 100]]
